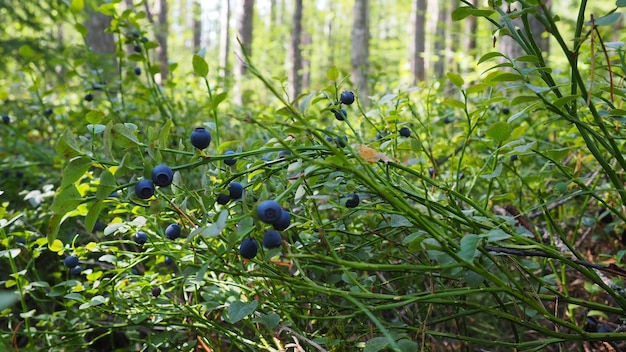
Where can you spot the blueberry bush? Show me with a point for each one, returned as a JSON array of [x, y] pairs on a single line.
[[489, 218]]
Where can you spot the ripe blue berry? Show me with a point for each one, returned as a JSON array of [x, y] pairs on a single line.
[[137, 48], [6, 119], [200, 138], [514, 157], [75, 271], [284, 221], [144, 189], [48, 112], [347, 98], [70, 261], [162, 175], [248, 248], [140, 238], [431, 172], [223, 199], [137, 71], [168, 261], [353, 202], [506, 111], [405, 132], [269, 211], [229, 162], [156, 292], [172, 231], [235, 190], [89, 97], [272, 239], [340, 114]]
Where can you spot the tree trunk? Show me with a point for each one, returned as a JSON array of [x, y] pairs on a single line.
[[101, 42], [245, 36], [360, 49], [471, 26], [161, 35], [295, 71], [306, 62], [440, 39], [225, 39], [197, 25], [418, 44]]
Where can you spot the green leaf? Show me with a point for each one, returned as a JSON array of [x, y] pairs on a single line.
[[520, 99], [456, 79], [200, 67], [506, 77], [270, 320], [454, 103], [239, 310], [499, 131], [495, 235], [55, 246], [468, 247], [463, 12], [92, 215], [53, 227], [620, 3], [66, 200], [376, 344], [67, 147], [332, 73], [607, 20], [217, 227], [218, 98], [407, 345], [494, 174], [77, 6], [75, 169], [489, 56], [7, 299], [124, 136], [107, 185], [94, 116]]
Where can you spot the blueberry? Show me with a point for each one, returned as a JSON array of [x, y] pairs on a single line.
[[200, 138], [431, 172], [162, 175], [156, 292], [168, 261], [99, 226], [283, 222], [144, 189], [137, 48], [140, 238], [75, 271], [137, 71], [514, 157], [19, 174], [48, 112], [341, 141], [447, 120], [248, 248], [70, 261], [114, 195], [272, 239], [266, 159], [223, 199], [283, 153], [88, 97], [506, 111], [229, 162], [235, 190], [340, 114], [347, 98], [269, 211], [20, 240], [405, 132], [353, 202], [172, 231], [6, 119]]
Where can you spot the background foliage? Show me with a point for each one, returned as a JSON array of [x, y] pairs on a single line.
[[497, 224]]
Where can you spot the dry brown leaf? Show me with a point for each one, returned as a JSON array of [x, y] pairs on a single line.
[[372, 156]]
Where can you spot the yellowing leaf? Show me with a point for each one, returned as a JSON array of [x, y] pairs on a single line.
[[56, 246]]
